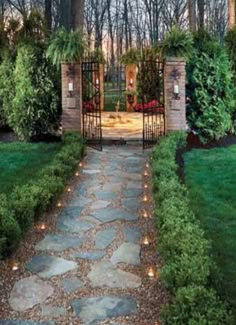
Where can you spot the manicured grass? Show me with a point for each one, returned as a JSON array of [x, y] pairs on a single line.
[[111, 99], [21, 162], [210, 176]]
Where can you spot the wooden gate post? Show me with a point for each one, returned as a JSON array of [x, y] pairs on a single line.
[[175, 95], [71, 78]]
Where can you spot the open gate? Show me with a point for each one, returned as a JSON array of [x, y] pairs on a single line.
[[151, 88], [91, 107]]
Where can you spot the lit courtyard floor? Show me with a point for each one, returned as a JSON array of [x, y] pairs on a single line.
[[122, 125]]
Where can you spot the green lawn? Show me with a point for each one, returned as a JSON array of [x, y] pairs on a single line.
[[210, 175], [111, 99], [21, 162]]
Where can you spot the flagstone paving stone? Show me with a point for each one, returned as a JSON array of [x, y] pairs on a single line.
[[95, 309], [112, 214], [29, 292], [59, 242], [91, 272], [48, 266], [104, 274], [73, 225], [52, 311], [99, 205], [71, 212], [71, 284], [104, 238], [90, 255], [131, 204], [132, 192], [132, 234], [128, 253], [79, 201], [105, 195]]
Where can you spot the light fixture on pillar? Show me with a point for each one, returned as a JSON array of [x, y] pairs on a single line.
[[70, 87], [175, 76]]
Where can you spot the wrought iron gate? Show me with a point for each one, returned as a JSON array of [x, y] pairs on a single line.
[[151, 87], [91, 97]]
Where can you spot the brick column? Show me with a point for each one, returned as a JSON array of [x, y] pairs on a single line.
[[71, 96], [231, 13], [101, 73], [131, 84], [175, 103]]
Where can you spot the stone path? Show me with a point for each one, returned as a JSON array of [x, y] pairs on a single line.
[[89, 270]]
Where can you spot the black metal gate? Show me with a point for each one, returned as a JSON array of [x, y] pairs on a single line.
[[151, 88], [91, 97]]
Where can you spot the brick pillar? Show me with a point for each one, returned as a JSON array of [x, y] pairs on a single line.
[[101, 73], [71, 96], [231, 13], [175, 103], [131, 84]]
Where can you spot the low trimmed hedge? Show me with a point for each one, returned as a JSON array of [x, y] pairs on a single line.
[[182, 243], [20, 210]]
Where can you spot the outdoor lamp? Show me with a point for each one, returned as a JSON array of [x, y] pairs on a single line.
[[15, 266], [176, 89], [43, 226], [175, 76], [151, 272], [70, 87], [131, 82]]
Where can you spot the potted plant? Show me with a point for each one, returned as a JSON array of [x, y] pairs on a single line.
[[65, 47], [130, 94], [132, 56], [177, 43]]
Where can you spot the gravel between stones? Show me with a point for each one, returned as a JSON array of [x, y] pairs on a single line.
[[150, 296]]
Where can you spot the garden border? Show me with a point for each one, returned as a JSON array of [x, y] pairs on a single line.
[[182, 243], [26, 203]]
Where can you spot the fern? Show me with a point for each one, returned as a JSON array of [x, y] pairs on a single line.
[[65, 47], [132, 56], [178, 44]]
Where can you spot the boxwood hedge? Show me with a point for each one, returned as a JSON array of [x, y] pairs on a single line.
[[21, 209], [181, 241]]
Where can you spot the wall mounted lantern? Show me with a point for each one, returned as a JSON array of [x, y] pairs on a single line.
[[175, 76]]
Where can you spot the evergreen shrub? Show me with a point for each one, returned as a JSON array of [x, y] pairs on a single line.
[[188, 263]]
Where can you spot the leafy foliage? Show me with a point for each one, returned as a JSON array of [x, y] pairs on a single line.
[[132, 56], [10, 233], [65, 47], [98, 55], [26, 203], [188, 265], [7, 89], [196, 305], [230, 41], [177, 43], [212, 107], [35, 105]]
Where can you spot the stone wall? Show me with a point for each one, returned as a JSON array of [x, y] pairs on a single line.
[[175, 104], [71, 100]]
